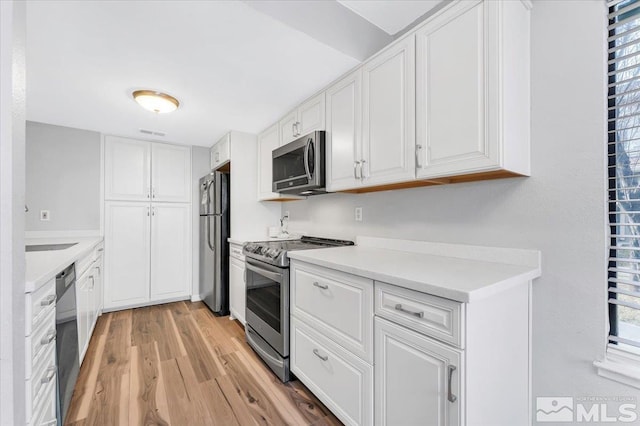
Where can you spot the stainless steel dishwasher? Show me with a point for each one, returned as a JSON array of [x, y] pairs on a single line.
[[66, 338]]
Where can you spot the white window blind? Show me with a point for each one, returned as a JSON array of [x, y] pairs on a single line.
[[623, 147]]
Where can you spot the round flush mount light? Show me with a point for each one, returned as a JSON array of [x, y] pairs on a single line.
[[154, 101]]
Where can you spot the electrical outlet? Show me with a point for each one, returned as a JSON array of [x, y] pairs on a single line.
[[44, 215], [358, 214]]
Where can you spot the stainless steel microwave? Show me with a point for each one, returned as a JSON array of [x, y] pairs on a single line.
[[298, 167]]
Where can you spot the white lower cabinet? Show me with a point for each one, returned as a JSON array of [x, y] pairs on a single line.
[[148, 253], [417, 378], [237, 284], [433, 361], [343, 381]]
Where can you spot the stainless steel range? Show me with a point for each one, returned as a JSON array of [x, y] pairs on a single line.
[[267, 316]]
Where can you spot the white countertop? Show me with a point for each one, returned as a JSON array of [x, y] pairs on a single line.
[[41, 266], [289, 237], [462, 273]]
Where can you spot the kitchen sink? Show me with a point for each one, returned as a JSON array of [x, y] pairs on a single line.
[[48, 247]]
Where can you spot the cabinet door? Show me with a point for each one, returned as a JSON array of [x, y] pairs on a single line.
[[220, 152], [418, 380], [288, 126], [237, 289], [451, 95], [389, 115], [126, 241], [170, 250], [311, 115], [344, 133], [267, 142], [126, 169], [83, 308], [171, 173]]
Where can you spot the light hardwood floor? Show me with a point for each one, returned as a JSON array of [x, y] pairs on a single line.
[[178, 364]]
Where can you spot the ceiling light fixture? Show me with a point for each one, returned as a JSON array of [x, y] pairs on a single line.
[[155, 101]]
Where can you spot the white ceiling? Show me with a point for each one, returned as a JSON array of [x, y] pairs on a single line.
[[231, 66]]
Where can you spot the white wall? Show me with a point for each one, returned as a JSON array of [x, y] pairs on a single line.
[[559, 210], [12, 263], [200, 166], [249, 218], [62, 176]]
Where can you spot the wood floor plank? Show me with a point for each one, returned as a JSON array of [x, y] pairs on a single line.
[[144, 384], [260, 403], [234, 397], [181, 410], [201, 359], [87, 378]]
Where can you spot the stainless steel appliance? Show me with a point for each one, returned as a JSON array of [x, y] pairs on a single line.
[[68, 355], [298, 167], [214, 248], [267, 315]]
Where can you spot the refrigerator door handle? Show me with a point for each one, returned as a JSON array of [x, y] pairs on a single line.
[[208, 230]]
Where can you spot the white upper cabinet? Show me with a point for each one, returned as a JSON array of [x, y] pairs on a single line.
[[473, 90], [344, 132], [389, 115], [311, 115], [287, 127], [144, 171], [221, 152], [267, 142], [307, 118], [170, 250], [170, 173], [127, 169]]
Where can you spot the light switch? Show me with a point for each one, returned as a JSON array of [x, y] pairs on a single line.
[[44, 215]]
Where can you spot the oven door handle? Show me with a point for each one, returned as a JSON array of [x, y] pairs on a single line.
[[258, 270], [261, 351]]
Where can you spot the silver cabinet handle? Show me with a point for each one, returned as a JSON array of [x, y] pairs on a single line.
[[153, 211], [48, 300], [101, 249], [51, 372], [149, 192], [148, 210], [450, 396], [317, 353], [153, 192], [93, 282], [51, 334], [418, 148], [399, 307], [245, 275], [362, 176], [293, 128], [298, 128], [355, 169], [322, 286]]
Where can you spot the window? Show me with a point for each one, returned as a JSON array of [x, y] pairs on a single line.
[[624, 174]]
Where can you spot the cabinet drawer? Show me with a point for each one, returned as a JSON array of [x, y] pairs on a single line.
[[339, 379], [434, 316], [337, 304], [82, 265], [235, 250], [43, 375], [38, 305], [40, 340], [44, 410]]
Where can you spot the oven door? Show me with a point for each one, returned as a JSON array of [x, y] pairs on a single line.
[[268, 303]]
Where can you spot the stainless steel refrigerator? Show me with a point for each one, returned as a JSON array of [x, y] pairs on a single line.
[[214, 247]]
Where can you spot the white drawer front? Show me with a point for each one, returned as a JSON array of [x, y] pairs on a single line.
[[40, 340], [44, 411], [433, 316], [337, 304], [339, 379], [82, 265], [235, 250], [38, 303], [43, 375]]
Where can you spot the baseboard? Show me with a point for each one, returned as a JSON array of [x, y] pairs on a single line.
[[143, 304], [196, 298]]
